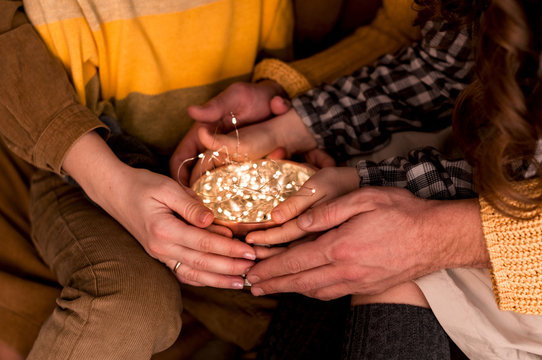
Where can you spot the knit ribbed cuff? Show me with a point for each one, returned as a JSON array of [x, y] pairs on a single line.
[[291, 81], [515, 250]]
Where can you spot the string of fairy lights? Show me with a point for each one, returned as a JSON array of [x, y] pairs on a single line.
[[246, 191]]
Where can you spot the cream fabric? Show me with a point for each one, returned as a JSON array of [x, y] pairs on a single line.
[[464, 304]]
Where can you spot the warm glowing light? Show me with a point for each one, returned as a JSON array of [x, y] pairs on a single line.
[[248, 191]]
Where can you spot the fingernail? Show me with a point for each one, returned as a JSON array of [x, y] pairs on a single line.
[[249, 256], [253, 279], [238, 284], [277, 216], [305, 220], [257, 291]]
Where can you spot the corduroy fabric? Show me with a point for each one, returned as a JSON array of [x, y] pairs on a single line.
[[114, 294]]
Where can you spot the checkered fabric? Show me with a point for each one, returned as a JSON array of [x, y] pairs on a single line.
[[414, 89], [425, 173]]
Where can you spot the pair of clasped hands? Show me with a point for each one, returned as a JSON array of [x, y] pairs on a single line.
[[341, 240]]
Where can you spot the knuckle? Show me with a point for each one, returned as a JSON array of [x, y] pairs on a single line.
[[191, 274], [154, 249], [337, 252], [302, 286], [350, 274], [236, 268], [205, 244], [292, 208], [329, 212], [191, 208], [293, 265], [201, 263], [156, 231]]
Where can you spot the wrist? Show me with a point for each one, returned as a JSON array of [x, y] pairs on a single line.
[[273, 88], [92, 164], [459, 234], [294, 136]]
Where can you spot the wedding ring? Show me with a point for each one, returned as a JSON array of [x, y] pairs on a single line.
[[176, 266]]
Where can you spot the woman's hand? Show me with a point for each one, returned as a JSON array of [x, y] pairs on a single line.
[[324, 185], [166, 218], [377, 238]]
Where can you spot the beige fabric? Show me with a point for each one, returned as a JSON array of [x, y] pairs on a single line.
[[464, 304]]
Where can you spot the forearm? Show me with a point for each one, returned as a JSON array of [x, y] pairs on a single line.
[[95, 167], [413, 90], [391, 29], [40, 116], [454, 229]]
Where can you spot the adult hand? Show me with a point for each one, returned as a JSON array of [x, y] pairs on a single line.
[[166, 218], [249, 102], [324, 185], [383, 237]]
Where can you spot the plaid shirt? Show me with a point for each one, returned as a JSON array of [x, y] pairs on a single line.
[[412, 90]]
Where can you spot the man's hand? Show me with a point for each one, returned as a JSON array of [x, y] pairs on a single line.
[[377, 238]]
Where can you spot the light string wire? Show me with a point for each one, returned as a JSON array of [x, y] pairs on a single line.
[[244, 190]]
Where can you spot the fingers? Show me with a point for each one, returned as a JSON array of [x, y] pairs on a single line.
[[210, 262], [264, 252], [189, 275], [279, 105], [297, 259], [204, 241], [297, 203], [319, 158], [311, 282], [217, 141], [185, 155], [277, 154], [188, 207], [334, 212], [276, 235], [220, 230], [209, 161], [212, 111]]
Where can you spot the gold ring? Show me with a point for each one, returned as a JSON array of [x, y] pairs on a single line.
[[176, 266]]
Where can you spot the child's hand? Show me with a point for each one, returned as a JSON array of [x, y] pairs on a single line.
[[249, 102], [324, 186], [285, 134]]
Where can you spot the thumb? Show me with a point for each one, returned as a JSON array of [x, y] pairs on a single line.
[[217, 141], [319, 158], [279, 105], [334, 212], [190, 207], [212, 111], [277, 154]]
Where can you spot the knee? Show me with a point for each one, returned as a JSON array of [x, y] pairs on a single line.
[[144, 296]]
